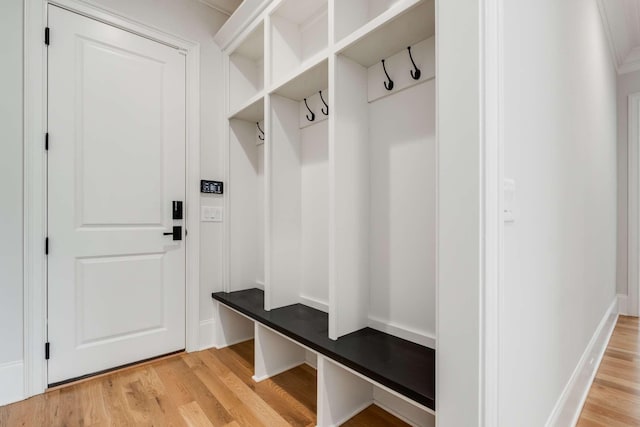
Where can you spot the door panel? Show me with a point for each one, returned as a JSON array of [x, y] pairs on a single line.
[[104, 148], [116, 285]]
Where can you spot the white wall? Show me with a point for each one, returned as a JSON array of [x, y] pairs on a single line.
[[627, 85], [11, 181], [185, 18], [560, 147]]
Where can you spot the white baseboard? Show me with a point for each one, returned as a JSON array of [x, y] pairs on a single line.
[[567, 410], [278, 371], [400, 331], [207, 333], [11, 382], [623, 308], [402, 409], [314, 303]]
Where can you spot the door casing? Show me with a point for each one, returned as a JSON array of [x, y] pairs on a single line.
[[632, 305], [35, 176]]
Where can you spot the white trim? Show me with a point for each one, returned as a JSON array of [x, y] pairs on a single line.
[[314, 303], [568, 407], [607, 30], [631, 62], [207, 334], [633, 176], [35, 272], [35, 374], [406, 412], [622, 305], [238, 23], [492, 138], [226, 9], [404, 332], [11, 376], [279, 370]]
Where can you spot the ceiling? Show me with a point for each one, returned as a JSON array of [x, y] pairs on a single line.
[[224, 6], [622, 23]]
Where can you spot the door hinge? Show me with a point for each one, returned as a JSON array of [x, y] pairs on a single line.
[[46, 36], [46, 141], [186, 232], [46, 246], [47, 349]]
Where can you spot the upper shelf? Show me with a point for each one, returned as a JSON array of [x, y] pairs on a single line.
[[314, 76], [402, 25], [252, 110]]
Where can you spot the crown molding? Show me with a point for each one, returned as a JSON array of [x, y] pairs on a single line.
[[226, 7]]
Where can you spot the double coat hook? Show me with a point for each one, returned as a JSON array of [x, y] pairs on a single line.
[[415, 73], [313, 115]]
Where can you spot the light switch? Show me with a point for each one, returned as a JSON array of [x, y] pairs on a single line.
[[211, 214]]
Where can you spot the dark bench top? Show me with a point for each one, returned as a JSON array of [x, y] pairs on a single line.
[[401, 365]]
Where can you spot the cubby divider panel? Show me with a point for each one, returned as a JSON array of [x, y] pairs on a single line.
[[230, 327], [275, 354], [341, 395]]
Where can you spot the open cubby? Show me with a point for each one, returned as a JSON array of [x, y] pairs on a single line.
[[343, 394], [331, 223], [299, 199], [384, 145], [299, 33], [356, 17], [290, 395], [407, 28], [246, 70]]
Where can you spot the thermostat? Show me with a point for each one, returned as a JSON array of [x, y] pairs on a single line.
[[211, 187]]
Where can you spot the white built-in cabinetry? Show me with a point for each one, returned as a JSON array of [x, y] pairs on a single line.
[[337, 212]]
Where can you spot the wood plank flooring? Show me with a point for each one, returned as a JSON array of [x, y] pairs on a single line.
[[614, 398], [207, 388]]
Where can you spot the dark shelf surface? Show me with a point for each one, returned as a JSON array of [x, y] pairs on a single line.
[[403, 366]]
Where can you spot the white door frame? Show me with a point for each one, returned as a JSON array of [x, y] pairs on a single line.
[[35, 175], [633, 208]]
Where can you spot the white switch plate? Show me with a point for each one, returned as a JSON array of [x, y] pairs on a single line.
[[211, 214]]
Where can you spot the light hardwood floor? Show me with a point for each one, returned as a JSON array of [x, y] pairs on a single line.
[[208, 388], [614, 398]]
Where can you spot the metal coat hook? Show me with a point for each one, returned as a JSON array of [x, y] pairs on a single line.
[[261, 138], [313, 115], [389, 84], [415, 73], [326, 113]]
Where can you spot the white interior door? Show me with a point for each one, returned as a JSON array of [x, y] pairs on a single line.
[[116, 161]]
